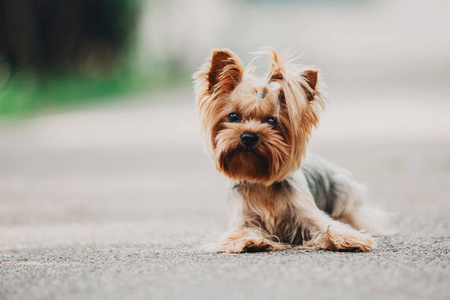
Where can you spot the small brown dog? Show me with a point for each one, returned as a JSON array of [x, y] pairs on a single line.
[[257, 131]]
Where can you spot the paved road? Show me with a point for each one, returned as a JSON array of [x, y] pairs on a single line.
[[117, 202]]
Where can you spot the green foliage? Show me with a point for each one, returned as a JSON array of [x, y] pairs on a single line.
[[25, 94], [102, 75]]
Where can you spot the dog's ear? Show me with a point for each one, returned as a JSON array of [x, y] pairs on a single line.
[[311, 77], [225, 71]]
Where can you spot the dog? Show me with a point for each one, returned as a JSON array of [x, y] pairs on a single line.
[[257, 131]]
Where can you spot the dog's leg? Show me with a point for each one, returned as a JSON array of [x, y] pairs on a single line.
[[242, 239], [322, 231], [339, 236], [247, 232]]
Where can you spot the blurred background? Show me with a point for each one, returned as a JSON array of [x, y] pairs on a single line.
[[99, 135], [53, 54]]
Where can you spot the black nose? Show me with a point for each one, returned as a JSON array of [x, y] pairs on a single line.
[[249, 139]]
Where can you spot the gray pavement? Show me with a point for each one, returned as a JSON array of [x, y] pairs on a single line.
[[118, 202]]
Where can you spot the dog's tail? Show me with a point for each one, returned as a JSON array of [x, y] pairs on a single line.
[[372, 220], [357, 212]]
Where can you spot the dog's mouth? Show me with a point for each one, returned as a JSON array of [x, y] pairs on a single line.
[[243, 150], [245, 163]]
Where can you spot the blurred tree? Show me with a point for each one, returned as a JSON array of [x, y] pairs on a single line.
[[64, 35]]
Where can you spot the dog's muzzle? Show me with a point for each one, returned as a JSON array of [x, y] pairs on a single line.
[[249, 139]]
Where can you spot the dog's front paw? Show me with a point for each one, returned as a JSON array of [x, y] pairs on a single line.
[[343, 238], [243, 241]]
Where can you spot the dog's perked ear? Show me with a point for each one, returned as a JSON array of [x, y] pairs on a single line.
[[225, 71], [217, 77], [312, 77]]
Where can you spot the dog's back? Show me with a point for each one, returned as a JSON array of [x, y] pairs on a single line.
[[339, 195]]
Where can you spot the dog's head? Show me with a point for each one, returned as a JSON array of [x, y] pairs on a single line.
[[257, 129]]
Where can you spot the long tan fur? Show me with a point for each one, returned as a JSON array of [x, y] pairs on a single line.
[[272, 206]]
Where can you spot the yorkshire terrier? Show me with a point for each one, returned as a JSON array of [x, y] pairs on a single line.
[[257, 132]]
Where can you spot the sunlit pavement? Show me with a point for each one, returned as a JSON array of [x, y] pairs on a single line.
[[118, 202]]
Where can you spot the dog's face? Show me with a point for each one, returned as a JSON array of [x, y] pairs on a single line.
[[256, 129]]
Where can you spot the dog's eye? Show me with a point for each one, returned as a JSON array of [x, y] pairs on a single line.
[[234, 117], [272, 122]]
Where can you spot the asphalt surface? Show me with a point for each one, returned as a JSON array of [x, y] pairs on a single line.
[[119, 201]]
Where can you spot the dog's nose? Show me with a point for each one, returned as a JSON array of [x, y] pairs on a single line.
[[249, 139]]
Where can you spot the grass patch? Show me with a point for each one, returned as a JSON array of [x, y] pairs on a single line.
[[25, 93]]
